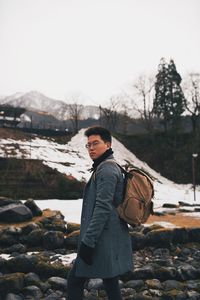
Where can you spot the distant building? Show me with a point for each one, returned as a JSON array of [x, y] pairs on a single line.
[[10, 116]]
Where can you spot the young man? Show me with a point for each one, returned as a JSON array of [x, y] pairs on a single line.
[[104, 247]]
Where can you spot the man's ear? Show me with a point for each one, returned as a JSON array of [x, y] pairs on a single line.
[[108, 144]]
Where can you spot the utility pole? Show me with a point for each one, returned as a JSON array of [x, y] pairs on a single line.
[[194, 156]]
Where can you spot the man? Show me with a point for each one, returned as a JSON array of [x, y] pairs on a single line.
[[104, 247]]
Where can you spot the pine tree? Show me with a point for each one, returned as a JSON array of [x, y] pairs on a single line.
[[169, 99]]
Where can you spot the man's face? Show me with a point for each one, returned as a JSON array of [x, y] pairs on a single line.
[[96, 146]]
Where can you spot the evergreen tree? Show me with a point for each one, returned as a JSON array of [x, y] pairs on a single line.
[[169, 99]]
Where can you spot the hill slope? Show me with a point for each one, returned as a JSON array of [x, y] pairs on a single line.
[[72, 159]]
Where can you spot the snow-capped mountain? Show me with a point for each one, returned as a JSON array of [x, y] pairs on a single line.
[[36, 101], [72, 159]]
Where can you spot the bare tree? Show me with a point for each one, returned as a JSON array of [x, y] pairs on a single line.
[[192, 97], [109, 114], [144, 88], [74, 111]]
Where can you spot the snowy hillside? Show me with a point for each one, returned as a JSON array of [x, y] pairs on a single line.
[[72, 159]]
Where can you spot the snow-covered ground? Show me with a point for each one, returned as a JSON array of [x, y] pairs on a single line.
[[72, 159]]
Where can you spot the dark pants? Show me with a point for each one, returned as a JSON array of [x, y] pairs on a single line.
[[75, 286]]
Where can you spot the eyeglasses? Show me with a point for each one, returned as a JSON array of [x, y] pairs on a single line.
[[93, 144]]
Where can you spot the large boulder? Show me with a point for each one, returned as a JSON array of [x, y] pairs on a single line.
[[15, 213], [36, 211]]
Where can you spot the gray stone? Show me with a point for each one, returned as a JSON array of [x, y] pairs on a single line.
[[33, 291], [172, 284], [36, 211], [35, 237], [95, 284], [58, 283], [20, 248], [15, 212], [11, 296], [134, 284], [53, 240], [31, 279]]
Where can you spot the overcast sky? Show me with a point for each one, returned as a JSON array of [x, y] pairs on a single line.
[[94, 48]]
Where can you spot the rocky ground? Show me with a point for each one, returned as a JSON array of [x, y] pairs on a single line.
[[34, 265]]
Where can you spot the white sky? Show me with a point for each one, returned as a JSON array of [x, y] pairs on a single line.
[[93, 47]]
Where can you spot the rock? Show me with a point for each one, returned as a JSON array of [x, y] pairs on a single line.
[[95, 284], [193, 295], [53, 240], [7, 239], [11, 296], [154, 284], [11, 283], [20, 248], [58, 283], [35, 237], [172, 284], [15, 212], [31, 279], [160, 238], [170, 205], [33, 291], [72, 227], [22, 263], [134, 284], [138, 240], [180, 235], [30, 227], [46, 269], [181, 203], [71, 240], [5, 201], [194, 234], [36, 211]]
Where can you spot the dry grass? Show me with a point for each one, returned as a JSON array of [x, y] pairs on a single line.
[[179, 220]]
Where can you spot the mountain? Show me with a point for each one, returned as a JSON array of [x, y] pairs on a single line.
[[35, 101]]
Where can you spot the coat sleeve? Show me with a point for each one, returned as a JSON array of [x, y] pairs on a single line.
[[106, 180]]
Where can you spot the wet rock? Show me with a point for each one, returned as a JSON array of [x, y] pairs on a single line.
[[35, 237], [46, 269], [15, 212], [30, 227], [12, 296], [58, 283], [154, 284], [53, 240], [71, 240], [194, 234], [72, 227], [5, 201], [180, 235], [138, 240], [172, 284], [31, 279], [36, 211], [160, 238], [22, 263], [181, 203], [33, 291], [170, 205], [11, 283], [134, 284], [19, 248], [95, 284]]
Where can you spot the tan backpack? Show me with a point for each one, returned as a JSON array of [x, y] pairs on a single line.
[[137, 202]]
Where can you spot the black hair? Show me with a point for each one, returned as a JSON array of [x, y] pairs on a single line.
[[98, 130]]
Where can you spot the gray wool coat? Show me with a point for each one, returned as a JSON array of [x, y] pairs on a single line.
[[101, 227]]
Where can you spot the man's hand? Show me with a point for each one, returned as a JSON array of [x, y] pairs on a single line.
[[86, 253]]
